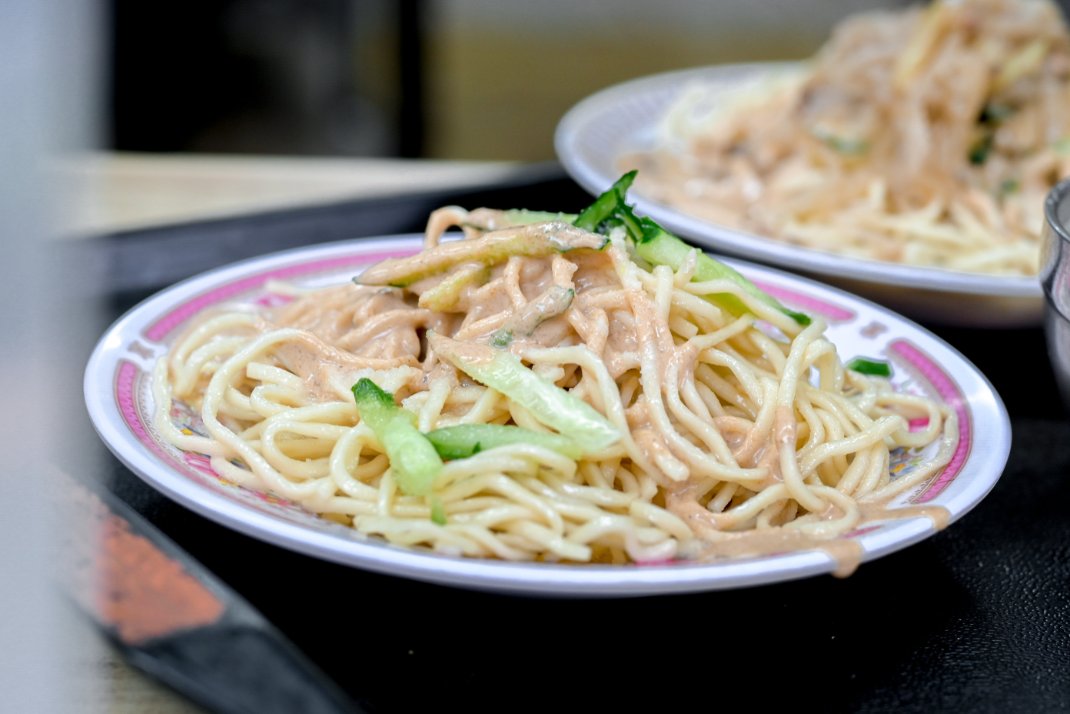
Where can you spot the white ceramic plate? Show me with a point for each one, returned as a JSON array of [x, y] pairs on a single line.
[[593, 136], [120, 405]]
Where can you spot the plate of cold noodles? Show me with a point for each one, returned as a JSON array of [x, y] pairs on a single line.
[[547, 403], [908, 160]]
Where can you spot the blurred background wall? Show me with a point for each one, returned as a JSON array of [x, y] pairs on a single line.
[[449, 79]]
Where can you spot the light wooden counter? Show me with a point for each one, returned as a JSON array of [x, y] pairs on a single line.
[[106, 192]]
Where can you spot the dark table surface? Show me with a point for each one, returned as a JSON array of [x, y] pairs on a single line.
[[975, 618]]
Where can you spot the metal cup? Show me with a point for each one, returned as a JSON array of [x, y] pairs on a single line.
[[1055, 282]]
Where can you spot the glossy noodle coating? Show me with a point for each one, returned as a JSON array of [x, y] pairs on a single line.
[[708, 433]]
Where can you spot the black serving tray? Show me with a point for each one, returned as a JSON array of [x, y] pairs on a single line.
[[974, 619]]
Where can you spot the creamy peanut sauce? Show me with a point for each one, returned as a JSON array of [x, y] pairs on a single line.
[[578, 298], [845, 553], [873, 512], [373, 324]]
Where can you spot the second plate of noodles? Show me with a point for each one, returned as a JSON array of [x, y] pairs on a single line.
[[914, 149], [547, 402]]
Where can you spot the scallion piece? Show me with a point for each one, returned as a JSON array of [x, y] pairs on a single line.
[[871, 367], [658, 246], [464, 440], [413, 460], [550, 404]]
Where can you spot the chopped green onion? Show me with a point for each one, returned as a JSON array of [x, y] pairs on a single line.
[[1009, 186], [981, 149], [848, 147], [501, 338], [413, 460], [873, 368], [995, 113], [658, 246], [842, 144], [606, 205], [438, 511], [464, 440], [548, 403]]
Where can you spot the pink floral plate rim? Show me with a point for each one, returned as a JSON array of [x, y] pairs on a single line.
[[119, 403]]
